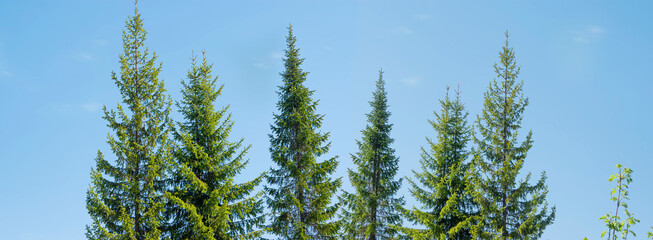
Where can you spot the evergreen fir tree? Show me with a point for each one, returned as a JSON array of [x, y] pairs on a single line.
[[509, 208], [125, 199], [300, 189], [206, 203], [371, 212], [446, 198]]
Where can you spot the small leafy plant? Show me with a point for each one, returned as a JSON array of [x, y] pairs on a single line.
[[616, 226], [619, 195]]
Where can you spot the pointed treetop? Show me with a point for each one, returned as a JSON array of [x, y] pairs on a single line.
[[458, 92], [136, 7], [380, 83], [507, 36], [291, 38], [507, 67], [380, 97]]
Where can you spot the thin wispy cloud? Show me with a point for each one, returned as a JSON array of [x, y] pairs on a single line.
[[580, 39], [100, 42], [276, 55], [269, 59], [411, 81], [329, 48], [588, 34], [402, 30], [3, 69], [421, 17], [91, 106], [260, 65], [595, 30], [84, 56]]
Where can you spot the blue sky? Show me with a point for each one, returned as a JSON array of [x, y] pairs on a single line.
[[586, 66]]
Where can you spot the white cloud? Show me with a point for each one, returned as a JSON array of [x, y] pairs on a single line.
[[275, 55], [595, 30], [588, 34], [91, 106], [422, 17], [261, 65], [402, 30], [265, 61], [580, 39], [3, 68], [329, 48], [411, 81], [100, 42], [84, 56]]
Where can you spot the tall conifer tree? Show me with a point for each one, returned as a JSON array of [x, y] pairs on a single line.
[[125, 198], [371, 212], [206, 203], [510, 208], [300, 189], [446, 198]]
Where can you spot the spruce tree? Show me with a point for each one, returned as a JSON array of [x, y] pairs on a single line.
[[509, 208], [446, 199], [371, 212], [125, 199], [300, 189], [206, 203]]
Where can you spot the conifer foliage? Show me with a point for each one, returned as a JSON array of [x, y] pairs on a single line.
[[300, 189], [509, 208], [154, 189], [447, 203], [125, 199], [205, 201], [371, 212]]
